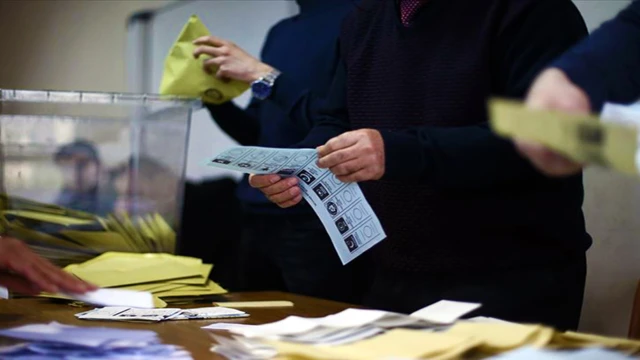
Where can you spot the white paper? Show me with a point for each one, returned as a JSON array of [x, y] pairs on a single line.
[[123, 313], [345, 213], [445, 311], [116, 297], [119, 313], [4, 293], [227, 326]]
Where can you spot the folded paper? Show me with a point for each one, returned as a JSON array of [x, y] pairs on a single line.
[[184, 75]]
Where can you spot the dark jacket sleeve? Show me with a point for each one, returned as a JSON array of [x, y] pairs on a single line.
[[331, 117], [607, 64], [241, 124], [472, 156]]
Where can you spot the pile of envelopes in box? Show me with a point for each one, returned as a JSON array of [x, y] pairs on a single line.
[[170, 278], [67, 236], [399, 336]]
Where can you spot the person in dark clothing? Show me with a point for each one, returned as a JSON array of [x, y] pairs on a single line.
[[285, 249], [604, 67], [467, 218], [86, 188]]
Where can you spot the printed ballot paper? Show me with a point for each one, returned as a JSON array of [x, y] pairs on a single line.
[[585, 139], [342, 208], [121, 313]]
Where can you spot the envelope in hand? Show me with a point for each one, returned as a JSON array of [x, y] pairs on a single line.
[[184, 75]]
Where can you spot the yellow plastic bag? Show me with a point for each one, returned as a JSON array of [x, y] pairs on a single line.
[[184, 75]]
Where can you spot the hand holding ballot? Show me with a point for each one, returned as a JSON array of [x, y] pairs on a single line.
[[24, 271], [553, 90], [228, 61]]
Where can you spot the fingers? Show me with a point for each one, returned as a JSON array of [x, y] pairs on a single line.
[[338, 157], [340, 142], [547, 161], [261, 181], [347, 168], [41, 273], [211, 51], [210, 40], [18, 284], [358, 176], [283, 192], [214, 63]]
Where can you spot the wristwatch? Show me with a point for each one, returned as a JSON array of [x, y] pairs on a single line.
[[262, 87]]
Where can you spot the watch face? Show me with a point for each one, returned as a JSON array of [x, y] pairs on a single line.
[[260, 89]]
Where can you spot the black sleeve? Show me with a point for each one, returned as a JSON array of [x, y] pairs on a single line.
[[331, 119], [607, 64], [472, 156], [241, 124]]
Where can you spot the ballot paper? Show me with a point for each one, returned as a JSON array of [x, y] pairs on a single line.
[[155, 315], [345, 213], [582, 138], [116, 297], [57, 341], [4, 293], [351, 325]]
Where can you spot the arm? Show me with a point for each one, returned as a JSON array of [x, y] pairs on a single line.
[[331, 119], [473, 156], [605, 65], [240, 124]]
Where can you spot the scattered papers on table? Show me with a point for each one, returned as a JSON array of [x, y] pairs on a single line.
[[116, 297], [584, 139], [119, 313], [342, 208], [358, 334], [56, 341], [169, 278]]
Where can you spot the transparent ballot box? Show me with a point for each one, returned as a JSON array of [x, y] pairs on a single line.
[[84, 173]]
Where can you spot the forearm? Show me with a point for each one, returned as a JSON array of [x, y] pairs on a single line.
[[605, 65], [461, 157], [242, 125]]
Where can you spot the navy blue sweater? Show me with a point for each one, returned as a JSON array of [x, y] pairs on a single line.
[[455, 197], [607, 64], [303, 48]]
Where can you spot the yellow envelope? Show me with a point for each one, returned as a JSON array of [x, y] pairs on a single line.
[[99, 241], [185, 76], [584, 139], [120, 269], [398, 343], [499, 337]]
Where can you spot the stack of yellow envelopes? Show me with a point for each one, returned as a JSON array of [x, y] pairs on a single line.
[[170, 278], [67, 236]]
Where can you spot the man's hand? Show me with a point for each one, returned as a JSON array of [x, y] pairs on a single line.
[[354, 156], [553, 90], [231, 61], [283, 192], [24, 271]]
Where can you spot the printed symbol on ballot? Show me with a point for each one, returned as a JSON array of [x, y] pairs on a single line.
[[342, 226], [352, 245], [244, 165], [221, 161], [321, 192], [286, 172], [332, 208], [306, 177]]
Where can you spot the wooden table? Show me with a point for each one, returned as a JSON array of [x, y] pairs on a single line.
[[186, 333]]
